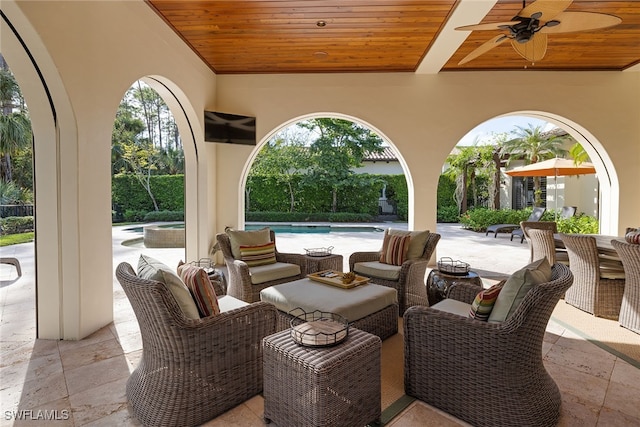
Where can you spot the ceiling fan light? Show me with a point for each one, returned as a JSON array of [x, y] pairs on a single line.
[[523, 36]]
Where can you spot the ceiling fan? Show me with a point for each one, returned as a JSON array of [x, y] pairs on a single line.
[[529, 28]]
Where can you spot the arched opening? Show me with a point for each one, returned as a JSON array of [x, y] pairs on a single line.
[[73, 242], [293, 121], [593, 194]]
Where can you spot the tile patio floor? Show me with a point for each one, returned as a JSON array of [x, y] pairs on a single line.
[[84, 381]]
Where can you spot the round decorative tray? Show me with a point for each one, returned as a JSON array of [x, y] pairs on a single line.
[[318, 328], [454, 267], [319, 252]]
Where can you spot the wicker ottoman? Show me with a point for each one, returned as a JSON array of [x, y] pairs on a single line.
[[371, 308], [329, 386]]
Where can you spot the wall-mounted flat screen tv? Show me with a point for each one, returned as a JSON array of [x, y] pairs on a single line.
[[229, 128]]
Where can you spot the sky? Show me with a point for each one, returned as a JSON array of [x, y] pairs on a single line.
[[506, 124]]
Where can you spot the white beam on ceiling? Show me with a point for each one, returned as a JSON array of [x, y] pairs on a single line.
[[467, 12]]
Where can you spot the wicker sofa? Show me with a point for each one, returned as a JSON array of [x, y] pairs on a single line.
[[243, 282], [410, 281], [487, 374], [192, 370]]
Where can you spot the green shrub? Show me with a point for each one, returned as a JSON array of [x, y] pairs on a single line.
[[164, 216], [448, 214], [131, 215], [307, 217], [16, 224], [581, 224], [479, 219]]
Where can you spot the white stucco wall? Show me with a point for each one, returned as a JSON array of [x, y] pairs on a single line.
[[90, 52]]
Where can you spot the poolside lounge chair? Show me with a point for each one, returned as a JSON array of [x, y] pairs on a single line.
[[567, 212], [497, 228]]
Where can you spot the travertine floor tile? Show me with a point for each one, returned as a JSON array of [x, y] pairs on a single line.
[[96, 374]]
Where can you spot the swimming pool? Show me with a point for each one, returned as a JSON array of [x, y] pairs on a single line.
[[318, 229]]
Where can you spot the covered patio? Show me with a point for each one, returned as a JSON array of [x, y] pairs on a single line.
[[87, 377], [75, 345]]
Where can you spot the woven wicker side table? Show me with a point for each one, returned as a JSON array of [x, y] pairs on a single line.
[[314, 264], [329, 386]]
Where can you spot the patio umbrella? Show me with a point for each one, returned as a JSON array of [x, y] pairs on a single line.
[[555, 168]]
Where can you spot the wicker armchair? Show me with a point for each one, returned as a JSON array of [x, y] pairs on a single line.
[[192, 370], [240, 284], [411, 281], [487, 374], [596, 289], [630, 307]]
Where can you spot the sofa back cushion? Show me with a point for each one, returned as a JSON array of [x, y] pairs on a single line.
[[517, 286], [151, 269], [201, 288], [239, 238], [483, 303], [255, 255], [394, 249], [417, 243]]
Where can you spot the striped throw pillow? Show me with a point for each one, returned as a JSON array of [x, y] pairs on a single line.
[[483, 302], [201, 288], [258, 254], [394, 249]]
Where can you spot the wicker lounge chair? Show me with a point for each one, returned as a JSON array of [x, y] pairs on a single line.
[[487, 374], [567, 212], [536, 214], [411, 280], [240, 282], [598, 283], [192, 370], [630, 308]]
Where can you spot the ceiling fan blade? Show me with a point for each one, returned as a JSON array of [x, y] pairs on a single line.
[[489, 26], [484, 48], [548, 8], [571, 22], [533, 50]]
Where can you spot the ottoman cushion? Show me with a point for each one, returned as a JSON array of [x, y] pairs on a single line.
[[352, 304]]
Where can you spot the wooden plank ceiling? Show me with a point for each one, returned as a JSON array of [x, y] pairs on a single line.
[[318, 36]]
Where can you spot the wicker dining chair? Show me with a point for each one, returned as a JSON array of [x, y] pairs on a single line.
[[552, 226], [240, 283], [410, 284], [630, 307], [595, 290], [192, 370], [487, 374]]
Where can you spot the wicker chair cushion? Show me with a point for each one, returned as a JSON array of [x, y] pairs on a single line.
[[450, 305], [151, 269], [201, 288], [239, 238], [228, 303], [378, 269], [517, 286], [258, 254], [417, 243], [394, 249], [276, 271], [483, 303]]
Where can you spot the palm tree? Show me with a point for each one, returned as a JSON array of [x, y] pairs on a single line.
[[15, 126], [533, 145]]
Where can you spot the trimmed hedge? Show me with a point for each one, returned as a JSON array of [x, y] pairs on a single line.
[[16, 224]]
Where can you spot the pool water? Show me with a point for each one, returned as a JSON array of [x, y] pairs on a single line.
[[318, 229], [291, 228]]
